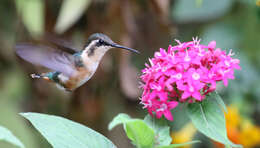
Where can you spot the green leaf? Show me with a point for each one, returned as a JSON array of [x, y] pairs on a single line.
[[6, 135], [219, 100], [12, 121], [179, 145], [137, 130], [32, 14], [71, 11], [61, 132], [140, 134], [161, 128], [186, 11], [209, 119], [119, 119]]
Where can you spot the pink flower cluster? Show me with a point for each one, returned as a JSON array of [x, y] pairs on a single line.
[[184, 73]]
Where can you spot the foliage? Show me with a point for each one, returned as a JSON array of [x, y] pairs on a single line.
[[147, 133], [146, 26], [33, 21], [70, 13], [62, 132], [209, 119], [186, 11], [6, 135]]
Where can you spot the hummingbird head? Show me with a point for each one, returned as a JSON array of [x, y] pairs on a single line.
[[100, 43]]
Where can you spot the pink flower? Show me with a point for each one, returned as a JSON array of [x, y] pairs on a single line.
[[164, 108], [184, 73]]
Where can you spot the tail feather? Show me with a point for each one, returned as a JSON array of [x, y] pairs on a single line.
[[40, 76], [36, 76]]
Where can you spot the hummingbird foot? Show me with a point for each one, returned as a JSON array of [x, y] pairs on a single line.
[[36, 76]]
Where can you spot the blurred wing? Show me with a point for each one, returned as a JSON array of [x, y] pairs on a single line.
[[64, 44], [47, 57]]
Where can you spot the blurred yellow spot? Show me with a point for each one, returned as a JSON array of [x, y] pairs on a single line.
[[258, 3], [250, 135], [232, 116], [199, 3], [184, 135], [240, 130]]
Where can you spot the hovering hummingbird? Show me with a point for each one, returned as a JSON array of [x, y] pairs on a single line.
[[69, 70]]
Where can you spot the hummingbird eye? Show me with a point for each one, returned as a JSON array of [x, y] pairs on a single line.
[[101, 42]]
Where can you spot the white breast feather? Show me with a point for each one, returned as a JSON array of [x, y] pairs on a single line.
[[63, 78]]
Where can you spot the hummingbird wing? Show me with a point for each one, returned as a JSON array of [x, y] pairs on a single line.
[[48, 57], [64, 44]]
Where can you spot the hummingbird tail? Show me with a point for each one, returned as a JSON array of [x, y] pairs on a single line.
[[41, 76], [36, 76]]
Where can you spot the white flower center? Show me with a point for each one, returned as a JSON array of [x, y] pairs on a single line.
[[195, 76], [163, 107], [227, 63], [210, 75], [164, 69], [178, 76], [191, 89]]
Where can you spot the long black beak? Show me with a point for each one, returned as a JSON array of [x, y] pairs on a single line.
[[123, 47]]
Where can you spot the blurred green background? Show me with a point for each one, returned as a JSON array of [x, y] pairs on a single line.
[[146, 25]]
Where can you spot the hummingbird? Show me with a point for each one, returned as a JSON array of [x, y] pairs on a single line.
[[69, 70]]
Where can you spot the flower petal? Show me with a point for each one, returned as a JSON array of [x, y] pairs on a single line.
[[168, 115]]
